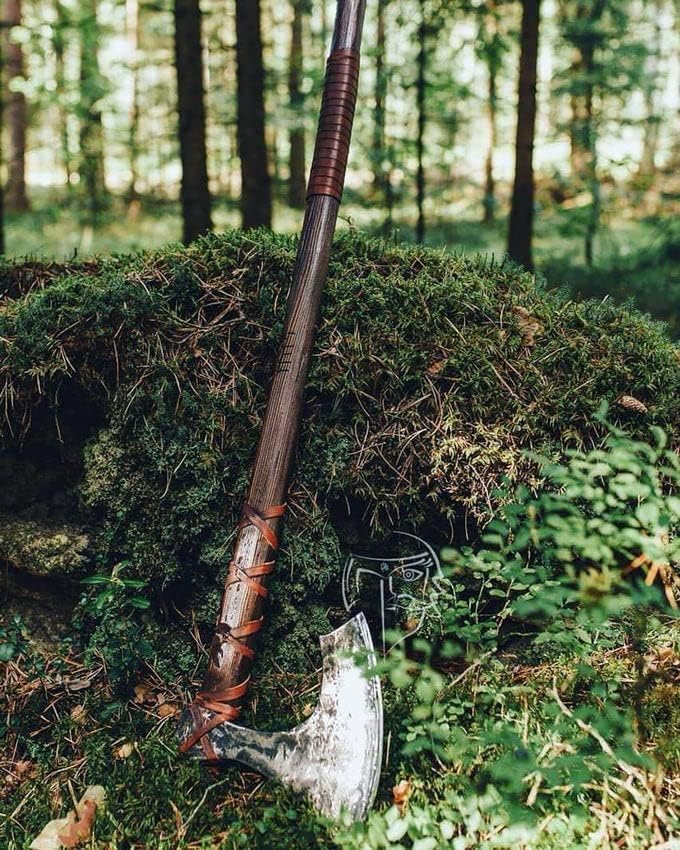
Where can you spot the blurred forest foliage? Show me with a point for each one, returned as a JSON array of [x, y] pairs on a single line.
[[101, 97]]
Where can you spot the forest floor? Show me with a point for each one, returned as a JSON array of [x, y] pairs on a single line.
[[83, 735], [520, 717]]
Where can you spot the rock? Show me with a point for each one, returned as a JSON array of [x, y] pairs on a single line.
[[42, 549]]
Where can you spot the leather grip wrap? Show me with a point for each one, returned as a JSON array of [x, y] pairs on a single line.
[[327, 175]]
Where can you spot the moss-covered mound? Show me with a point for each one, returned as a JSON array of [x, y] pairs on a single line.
[[132, 391]]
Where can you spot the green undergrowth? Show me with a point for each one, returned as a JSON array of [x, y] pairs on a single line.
[[537, 709], [141, 381], [132, 391], [648, 278]]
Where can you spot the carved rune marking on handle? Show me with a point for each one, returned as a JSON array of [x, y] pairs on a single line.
[[286, 358]]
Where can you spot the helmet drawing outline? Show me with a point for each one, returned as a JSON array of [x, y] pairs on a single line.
[[395, 576]]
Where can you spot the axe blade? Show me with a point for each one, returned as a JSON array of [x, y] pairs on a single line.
[[336, 754]]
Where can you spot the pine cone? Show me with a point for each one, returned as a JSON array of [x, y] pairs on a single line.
[[628, 402]]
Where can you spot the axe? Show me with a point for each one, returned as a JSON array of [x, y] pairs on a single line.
[[335, 755]]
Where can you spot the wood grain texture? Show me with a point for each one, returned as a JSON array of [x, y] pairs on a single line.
[[278, 439]]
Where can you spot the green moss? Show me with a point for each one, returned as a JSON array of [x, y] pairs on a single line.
[[433, 375], [43, 549]]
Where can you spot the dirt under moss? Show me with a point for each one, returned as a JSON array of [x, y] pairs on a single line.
[[133, 390]]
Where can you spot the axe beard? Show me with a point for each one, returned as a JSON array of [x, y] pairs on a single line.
[[336, 754]]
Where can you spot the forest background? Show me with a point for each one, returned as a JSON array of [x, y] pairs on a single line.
[[94, 128]]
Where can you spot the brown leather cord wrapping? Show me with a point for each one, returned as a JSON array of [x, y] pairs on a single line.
[[327, 175], [221, 703]]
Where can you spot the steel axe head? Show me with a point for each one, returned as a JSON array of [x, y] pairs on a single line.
[[336, 754]]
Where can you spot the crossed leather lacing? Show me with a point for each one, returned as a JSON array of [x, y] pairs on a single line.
[[219, 702]]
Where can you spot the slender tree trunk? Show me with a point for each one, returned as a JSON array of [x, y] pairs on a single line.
[[591, 172], [296, 136], [581, 128], [650, 144], [91, 130], [584, 132], [388, 224], [324, 30], [378, 152], [15, 193], [522, 209], [420, 139], [492, 57], [195, 191], [132, 35], [578, 151], [256, 201], [381, 155], [59, 44], [489, 179], [578, 130]]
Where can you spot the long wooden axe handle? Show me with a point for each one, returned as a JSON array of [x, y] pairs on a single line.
[[240, 617]]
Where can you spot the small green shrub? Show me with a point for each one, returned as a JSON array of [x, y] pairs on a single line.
[[13, 640], [513, 754]]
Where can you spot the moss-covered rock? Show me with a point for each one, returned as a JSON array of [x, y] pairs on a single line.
[[41, 549], [433, 375]]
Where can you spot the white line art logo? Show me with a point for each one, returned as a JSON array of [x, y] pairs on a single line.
[[392, 587]]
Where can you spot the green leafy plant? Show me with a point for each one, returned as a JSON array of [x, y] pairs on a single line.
[[13, 641], [116, 591], [113, 611], [565, 577]]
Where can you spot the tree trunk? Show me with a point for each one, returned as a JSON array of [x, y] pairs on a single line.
[[588, 12], [296, 136], [489, 179], [132, 35], [378, 152], [522, 209], [59, 44], [584, 131], [195, 191], [592, 180], [492, 56], [650, 144], [324, 32], [578, 131], [256, 202], [15, 193], [420, 139], [578, 151], [91, 130]]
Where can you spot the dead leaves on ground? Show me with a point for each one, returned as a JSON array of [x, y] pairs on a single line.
[[152, 699], [124, 751], [76, 827], [401, 794], [529, 326], [20, 771], [655, 571]]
